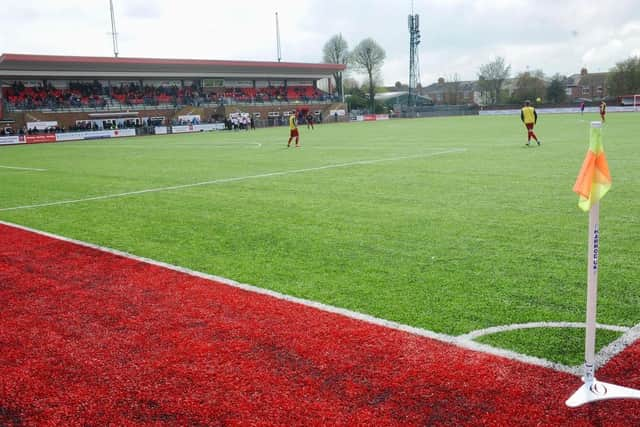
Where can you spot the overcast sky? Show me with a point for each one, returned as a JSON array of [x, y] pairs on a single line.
[[458, 36]]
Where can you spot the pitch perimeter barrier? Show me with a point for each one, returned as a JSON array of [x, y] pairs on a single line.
[[68, 136], [41, 138], [104, 134], [612, 109], [11, 140], [371, 117], [207, 127], [96, 134]]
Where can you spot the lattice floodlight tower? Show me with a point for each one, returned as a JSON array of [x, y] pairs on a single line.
[[414, 62], [114, 33]]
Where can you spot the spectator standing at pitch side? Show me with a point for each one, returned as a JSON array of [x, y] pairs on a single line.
[[293, 130], [529, 117]]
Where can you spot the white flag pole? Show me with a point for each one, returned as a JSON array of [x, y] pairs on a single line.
[[592, 294], [593, 390]]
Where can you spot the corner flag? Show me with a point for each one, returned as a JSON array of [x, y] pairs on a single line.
[[592, 184], [594, 179]]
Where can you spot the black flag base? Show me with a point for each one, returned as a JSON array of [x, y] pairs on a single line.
[[592, 391]]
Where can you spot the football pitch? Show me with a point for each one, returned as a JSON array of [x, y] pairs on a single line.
[[450, 225]]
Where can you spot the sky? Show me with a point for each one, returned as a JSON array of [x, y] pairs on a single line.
[[457, 36]]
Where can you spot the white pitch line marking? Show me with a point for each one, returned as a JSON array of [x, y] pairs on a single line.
[[23, 169], [505, 328], [463, 341], [628, 337], [236, 144], [233, 179]]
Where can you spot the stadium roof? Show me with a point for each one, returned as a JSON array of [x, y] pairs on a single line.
[[400, 97], [383, 96], [21, 66]]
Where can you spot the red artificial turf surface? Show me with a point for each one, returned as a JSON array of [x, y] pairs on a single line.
[[92, 338]]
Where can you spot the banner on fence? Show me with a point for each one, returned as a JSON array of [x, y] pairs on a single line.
[[197, 128], [10, 140], [99, 134], [42, 125], [372, 117], [37, 139]]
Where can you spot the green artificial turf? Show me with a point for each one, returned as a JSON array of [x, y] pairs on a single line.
[[448, 224]]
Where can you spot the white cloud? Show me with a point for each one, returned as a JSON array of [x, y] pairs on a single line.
[[457, 35]]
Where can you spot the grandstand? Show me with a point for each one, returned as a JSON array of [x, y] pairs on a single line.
[[76, 91]]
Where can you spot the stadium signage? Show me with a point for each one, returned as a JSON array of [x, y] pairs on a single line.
[[10, 140], [197, 128], [41, 125], [372, 117], [37, 139], [75, 136]]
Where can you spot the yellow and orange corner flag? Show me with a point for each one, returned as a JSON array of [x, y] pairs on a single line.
[[594, 179]]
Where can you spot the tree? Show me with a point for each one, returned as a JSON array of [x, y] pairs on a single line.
[[624, 78], [491, 77], [368, 57], [529, 85], [349, 84], [336, 51], [356, 99], [556, 92]]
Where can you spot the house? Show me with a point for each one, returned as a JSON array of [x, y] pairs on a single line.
[[587, 86], [453, 93]]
